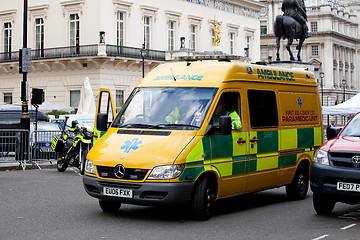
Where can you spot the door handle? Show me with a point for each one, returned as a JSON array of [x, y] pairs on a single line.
[[241, 140], [254, 139]]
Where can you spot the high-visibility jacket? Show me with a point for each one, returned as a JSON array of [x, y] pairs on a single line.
[[235, 119], [173, 116]]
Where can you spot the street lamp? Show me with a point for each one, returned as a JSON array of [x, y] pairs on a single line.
[[143, 54], [344, 86], [322, 88], [343, 82]]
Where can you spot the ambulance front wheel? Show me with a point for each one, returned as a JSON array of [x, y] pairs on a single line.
[[109, 206], [202, 200], [298, 189]]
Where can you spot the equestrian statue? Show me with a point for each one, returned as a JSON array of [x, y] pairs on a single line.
[[291, 25]]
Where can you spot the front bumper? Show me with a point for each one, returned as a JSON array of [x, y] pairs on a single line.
[[323, 180], [144, 193]]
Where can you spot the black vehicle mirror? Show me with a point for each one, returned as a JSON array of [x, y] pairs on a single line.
[[101, 121], [225, 125], [73, 124], [332, 132]]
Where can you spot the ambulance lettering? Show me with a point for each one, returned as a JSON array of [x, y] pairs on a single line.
[[275, 75]]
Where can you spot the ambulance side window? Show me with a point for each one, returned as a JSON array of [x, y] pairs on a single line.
[[263, 109]]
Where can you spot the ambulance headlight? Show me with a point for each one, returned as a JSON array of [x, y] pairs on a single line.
[[321, 157], [166, 172], [89, 167]]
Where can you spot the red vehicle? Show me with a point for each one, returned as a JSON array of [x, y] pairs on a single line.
[[335, 171]]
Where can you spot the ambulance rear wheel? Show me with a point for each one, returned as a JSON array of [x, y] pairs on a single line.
[[109, 206], [202, 200], [298, 189]]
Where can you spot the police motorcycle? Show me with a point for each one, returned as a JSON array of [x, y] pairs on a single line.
[[72, 146]]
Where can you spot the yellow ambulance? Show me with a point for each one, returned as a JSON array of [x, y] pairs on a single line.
[[196, 131]]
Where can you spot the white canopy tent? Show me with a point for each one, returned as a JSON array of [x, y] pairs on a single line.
[[348, 107]]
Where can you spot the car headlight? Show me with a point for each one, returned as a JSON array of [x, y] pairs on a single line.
[[321, 157], [89, 167], [166, 172]]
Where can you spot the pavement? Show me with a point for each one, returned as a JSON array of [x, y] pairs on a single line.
[[12, 166]]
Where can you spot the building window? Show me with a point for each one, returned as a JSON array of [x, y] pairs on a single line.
[[39, 37], [7, 40], [314, 26], [212, 37], [74, 34], [120, 25], [171, 26], [315, 50], [263, 27], [264, 53], [8, 98], [74, 98], [232, 42], [193, 36], [147, 31], [119, 99], [247, 46]]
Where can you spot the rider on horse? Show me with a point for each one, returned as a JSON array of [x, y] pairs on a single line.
[[296, 9]]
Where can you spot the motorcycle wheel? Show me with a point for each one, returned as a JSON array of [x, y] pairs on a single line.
[[83, 160], [62, 165]]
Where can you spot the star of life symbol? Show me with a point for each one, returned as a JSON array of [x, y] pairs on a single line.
[[299, 101], [131, 145]]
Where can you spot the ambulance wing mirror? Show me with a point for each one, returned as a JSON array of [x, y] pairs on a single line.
[[225, 125], [101, 121]]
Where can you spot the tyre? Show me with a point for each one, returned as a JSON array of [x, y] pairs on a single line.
[[83, 160], [109, 206], [62, 165], [298, 189], [322, 204], [202, 200]]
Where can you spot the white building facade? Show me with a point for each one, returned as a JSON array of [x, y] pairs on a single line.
[[72, 39], [333, 49]]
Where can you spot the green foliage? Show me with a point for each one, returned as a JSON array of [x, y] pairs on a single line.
[[57, 113]]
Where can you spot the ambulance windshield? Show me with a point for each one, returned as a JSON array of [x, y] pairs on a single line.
[[165, 108]]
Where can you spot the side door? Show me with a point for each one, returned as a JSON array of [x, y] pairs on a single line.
[[105, 107], [229, 152], [263, 163]]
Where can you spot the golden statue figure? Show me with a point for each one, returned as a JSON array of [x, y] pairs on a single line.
[[217, 33]]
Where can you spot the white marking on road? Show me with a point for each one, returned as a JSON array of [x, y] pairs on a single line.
[[349, 226], [75, 171], [322, 237]]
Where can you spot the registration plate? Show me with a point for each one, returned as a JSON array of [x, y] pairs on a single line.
[[118, 192], [351, 187]]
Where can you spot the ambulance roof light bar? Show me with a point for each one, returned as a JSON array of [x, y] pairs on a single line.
[[211, 57]]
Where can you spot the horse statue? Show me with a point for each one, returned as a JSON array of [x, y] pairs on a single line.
[[287, 26]]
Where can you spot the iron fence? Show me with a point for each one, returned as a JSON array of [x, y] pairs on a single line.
[[14, 145], [84, 51], [40, 145], [122, 51], [18, 145]]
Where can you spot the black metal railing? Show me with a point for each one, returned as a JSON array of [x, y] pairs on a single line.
[[84, 51], [122, 51]]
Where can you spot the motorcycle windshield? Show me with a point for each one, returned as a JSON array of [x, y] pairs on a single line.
[[180, 108]]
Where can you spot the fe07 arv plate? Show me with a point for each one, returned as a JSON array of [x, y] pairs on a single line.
[[350, 187]]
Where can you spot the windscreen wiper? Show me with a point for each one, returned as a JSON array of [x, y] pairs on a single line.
[[162, 125], [136, 125]]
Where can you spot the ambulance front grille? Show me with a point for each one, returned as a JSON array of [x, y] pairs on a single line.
[[130, 173]]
